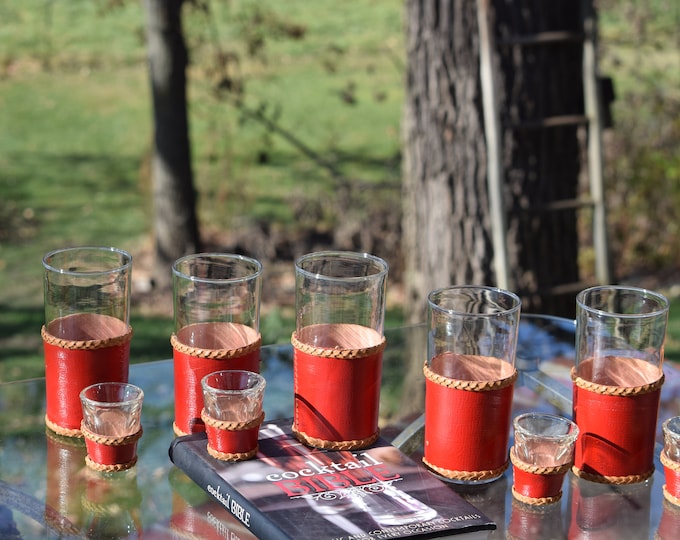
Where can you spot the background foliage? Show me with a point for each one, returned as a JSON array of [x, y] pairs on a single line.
[[295, 125]]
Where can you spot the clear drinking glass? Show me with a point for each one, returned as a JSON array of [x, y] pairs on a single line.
[[542, 455], [112, 413], [86, 280], [233, 413], [670, 459], [233, 395], [217, 300], [544, 440], [671, 437], [217, 318], [470, 375], [338, 345], [112, 409], [87, 334], [620, 334]]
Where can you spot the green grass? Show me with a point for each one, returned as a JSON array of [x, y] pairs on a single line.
[[77, 131], [76, 134]]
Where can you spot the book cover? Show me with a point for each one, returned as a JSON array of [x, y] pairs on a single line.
[[291, 491]]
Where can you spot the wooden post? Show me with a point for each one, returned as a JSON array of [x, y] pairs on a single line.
[[593, 110], [492, 131]]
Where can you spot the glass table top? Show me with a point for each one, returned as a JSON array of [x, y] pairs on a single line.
[[46, 491]]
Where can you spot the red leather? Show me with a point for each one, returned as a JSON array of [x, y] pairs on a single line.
[[467, 430], [672, 482], [537, 486], [188, 372], [616, 434], [111, 454], [232, 441], [68, 371], [337, 399]]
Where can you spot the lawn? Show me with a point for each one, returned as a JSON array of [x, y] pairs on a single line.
[[76, 137]]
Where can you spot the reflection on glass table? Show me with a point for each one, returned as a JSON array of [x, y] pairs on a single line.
[[47, 491]]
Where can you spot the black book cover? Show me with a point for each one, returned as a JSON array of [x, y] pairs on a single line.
[[291, 491]]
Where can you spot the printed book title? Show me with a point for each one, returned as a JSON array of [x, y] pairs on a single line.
[[315, 478]]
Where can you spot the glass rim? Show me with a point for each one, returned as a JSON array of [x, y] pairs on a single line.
[[257, 267], [139, 394], [125, 257], [353, 256], [666, 431], [661, 300], [517, 302], [260, 382], [573, 432]]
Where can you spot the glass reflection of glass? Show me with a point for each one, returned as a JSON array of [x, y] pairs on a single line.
[[390, 506], [111, 506]]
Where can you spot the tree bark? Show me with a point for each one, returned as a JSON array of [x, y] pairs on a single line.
[[175, 222], [446, 221], [447, 236], [447, 225]]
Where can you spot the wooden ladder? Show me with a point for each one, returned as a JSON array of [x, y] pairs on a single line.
[[592, 120]]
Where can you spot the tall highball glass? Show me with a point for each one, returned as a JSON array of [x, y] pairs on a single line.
[[217, 320], [470, 375], [620, 334], [338, 345], [87, 332]]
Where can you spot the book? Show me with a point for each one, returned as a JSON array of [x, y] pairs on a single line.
[[290, 491]]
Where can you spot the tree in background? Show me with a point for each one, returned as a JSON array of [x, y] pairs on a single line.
[[174, 199], [448, 211]]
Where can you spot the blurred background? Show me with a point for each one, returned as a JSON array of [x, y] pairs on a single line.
[[295, 126]]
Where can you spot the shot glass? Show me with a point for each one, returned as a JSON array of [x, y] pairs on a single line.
[[617, 379], [86, 335], [542, 454], [470, 375], [232, 413], [338, 344], [112, 413], [670, 459], [217, 320]]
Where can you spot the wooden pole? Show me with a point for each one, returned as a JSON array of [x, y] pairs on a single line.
[[593, 109], [492, 133]]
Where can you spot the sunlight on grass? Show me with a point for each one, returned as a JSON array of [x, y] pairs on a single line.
[[76, 133]]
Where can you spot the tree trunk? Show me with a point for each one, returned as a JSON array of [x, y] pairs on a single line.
[[446, 213], [175, 222], [447, 217], [447, 235]]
